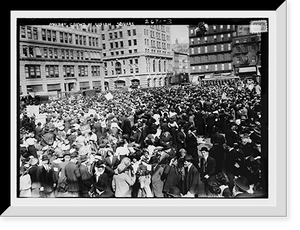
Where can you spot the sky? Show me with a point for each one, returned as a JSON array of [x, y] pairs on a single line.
[[180, 32]]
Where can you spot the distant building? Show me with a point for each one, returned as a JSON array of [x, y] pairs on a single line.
[[246, 48], [180, 67], [180, 47], [211, 54]]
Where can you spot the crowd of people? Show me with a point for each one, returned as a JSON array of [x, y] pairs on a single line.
[[178, 141]]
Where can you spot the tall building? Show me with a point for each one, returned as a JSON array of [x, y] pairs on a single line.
[[59, 59], [211, 54], [71, 58], [136, 55], [181, 67], [246, 49]]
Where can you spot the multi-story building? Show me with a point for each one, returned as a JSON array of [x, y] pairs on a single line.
[[72, 58], [136, 55], [211, 54], [246, 49], [181, 67], [59, 59]]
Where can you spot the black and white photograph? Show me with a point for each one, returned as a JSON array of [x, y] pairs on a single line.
[[142, 108]]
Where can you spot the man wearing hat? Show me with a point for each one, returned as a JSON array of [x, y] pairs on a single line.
[[192, 177], [71, 172], [156, 180], [85, 178], [241, 188], [46, 177], [62, 186], [32, 171]]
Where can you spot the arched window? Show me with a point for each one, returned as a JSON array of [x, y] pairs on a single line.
[[153, 65], [159, 66]]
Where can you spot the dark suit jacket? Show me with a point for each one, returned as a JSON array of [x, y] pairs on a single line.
[[171, 177], [231, 137], [207, 168], [192, 178], [72, 176]]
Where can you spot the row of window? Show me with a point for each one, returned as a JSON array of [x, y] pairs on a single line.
[[214, 28], [58, 36], [49, 52], [121, 52], [162, 28], [157, 44], [52, 71], [158, 51], [157, 35], [211, 58], [57, 86], [209, 68], [245, 59], [210, 49], [211, 39]]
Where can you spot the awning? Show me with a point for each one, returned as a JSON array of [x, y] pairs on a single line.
[[247, 69]]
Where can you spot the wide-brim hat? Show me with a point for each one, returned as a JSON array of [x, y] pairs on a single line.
[[174, 192], [242, 183]]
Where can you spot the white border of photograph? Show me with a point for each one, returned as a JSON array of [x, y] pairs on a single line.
[[274, 205]]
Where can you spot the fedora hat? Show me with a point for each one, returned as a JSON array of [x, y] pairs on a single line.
[[174, 192], [242, 183]]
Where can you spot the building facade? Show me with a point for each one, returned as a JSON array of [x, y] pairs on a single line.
[[246, 48], [211, 54], [136, 55], [181, 67], [71, 58], [59, 59]]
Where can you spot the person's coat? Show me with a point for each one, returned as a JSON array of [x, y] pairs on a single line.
[[171, 177], [72, 176], [122, 184], [192, 178], [207, 167], [156, 181]]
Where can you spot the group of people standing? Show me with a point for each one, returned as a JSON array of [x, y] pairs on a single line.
[[178, 141]]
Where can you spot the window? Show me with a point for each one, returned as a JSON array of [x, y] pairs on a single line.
[[103, 46], [134, 42], [229, 46], [221, 27], [66, 37], [111, 45], [192, 31], [61, 37], [70, 38], [215, 48], [216, 67], [31, 54], [53, 35], [116, 44], [222, 47], [71, 54], [129, 42], [34, 88], [29, 32], [206, 67], [228, 27], [116, 34], [82, 71], [222, 37], [51, 71], [32, 71], [205, 39], [25, 51], [120, 34], [205, 49], [129, 32], [53, 87], [67, 54], [84, 40], [192, 50], [199, 50], [215, 38], [229, 66], [95, 70], [121, 44], [84, 85], [134, 32], [90, 41], [214, 27], [228, 35], [135, 50], [223, 66], [45, 53], [253, 58], [35, 34], [23, 32], [50, 53], [153, 65], [55, 53], [103, 36], [192, 41], [49, 36]]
